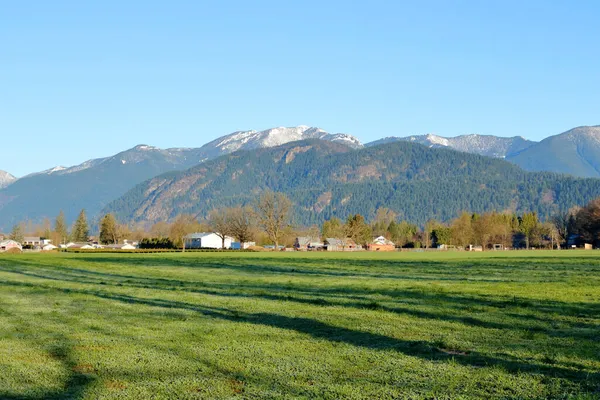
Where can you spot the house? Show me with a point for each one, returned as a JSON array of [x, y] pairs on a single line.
[[239, 246], [305, 243], [6, 245], [32, 241], [346, 244], [79, 246], [206, 240], [122, 246], [380, 243]]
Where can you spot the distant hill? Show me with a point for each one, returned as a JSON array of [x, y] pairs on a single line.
[[485, 145], [94, 183], [6, 179], [90, 185], [575, 152], [325, 179]]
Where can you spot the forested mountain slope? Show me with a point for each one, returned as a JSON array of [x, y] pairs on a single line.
[[93, 183], [326, 179]]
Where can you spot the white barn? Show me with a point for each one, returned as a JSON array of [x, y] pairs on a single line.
[[206, 240], [6, 245]]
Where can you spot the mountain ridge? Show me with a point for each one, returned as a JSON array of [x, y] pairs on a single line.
[[485, 145], [415, 181], [93, 183], [576, 152]]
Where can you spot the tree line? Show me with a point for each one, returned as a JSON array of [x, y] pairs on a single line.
[[269, 220]]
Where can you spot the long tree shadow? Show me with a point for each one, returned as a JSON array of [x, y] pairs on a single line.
[[61, 350], [421, 349], [321, 330], [275, 293], [452, 270], [571, 308]]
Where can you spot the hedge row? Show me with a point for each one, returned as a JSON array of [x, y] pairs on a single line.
[[152, 251]]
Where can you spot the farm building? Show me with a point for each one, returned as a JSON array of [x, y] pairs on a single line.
[[7, 245], [305, 243], [380, 243], [346, 244], [32, 241], [239, 246], [206, 240], [81, 246], [122, 246]]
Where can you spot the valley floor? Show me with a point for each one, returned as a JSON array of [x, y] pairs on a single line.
[[303, 325]]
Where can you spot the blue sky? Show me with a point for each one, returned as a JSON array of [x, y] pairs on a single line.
[[81, 80]]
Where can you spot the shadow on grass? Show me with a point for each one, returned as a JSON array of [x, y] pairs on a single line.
[[421, 270], [79, 379], [290, 293], [321, 330]]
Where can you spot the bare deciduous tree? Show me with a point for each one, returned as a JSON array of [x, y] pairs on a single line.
[[272, 212], [240, 221], [220, 224]]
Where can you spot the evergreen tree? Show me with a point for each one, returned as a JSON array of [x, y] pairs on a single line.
[[358, 230], [109, 230], [442, 235], [16, 233], [527, 225], [81, 230], [61, 234]]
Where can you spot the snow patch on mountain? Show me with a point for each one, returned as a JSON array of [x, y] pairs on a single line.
[[6, 179], [485, 145], [248, 140]]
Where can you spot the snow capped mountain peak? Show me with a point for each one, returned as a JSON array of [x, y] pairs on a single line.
[[144, 147], [437, 140], [6, 179], [247, 140]]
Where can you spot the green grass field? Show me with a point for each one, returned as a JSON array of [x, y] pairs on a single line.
[[500, 325]]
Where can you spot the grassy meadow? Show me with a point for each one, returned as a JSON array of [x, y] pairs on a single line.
[[497, 325]]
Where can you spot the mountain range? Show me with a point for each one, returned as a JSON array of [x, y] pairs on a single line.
[[575, 152], [330, 179], [95, 183]]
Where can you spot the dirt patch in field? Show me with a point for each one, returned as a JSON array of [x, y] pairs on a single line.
[[115, 385], [84, 368]]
